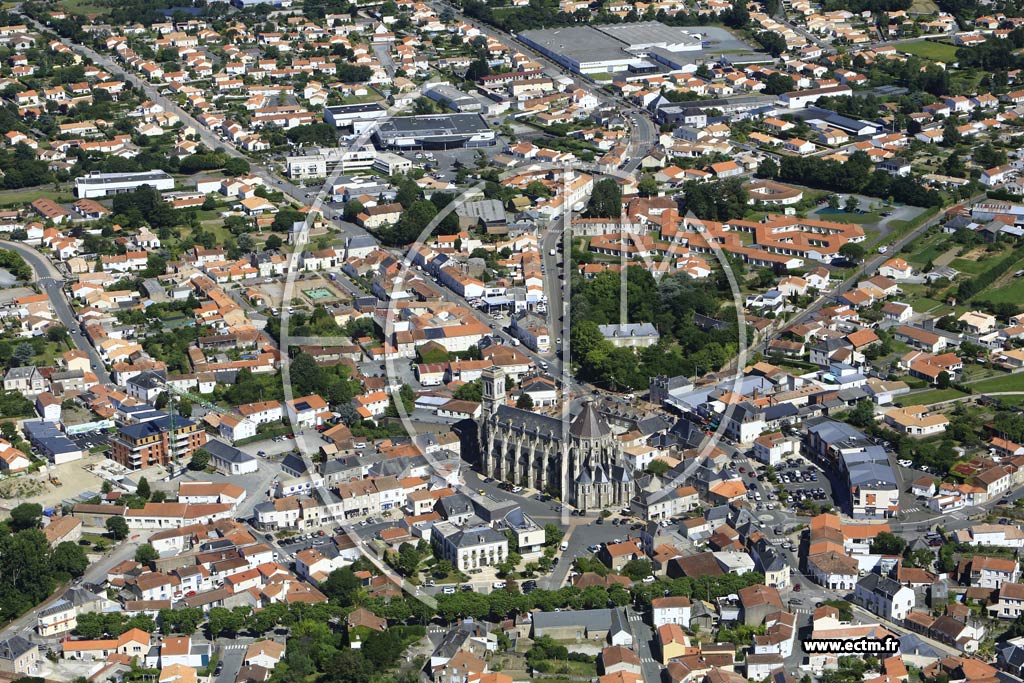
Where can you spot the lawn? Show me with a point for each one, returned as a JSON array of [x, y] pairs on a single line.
[[18, 197], [929, 49], [1014, 382], [868, 218], [572, 668], [87, 7], [933, 396], [925, 304], [965, 265], [927, 249], [923, 7]]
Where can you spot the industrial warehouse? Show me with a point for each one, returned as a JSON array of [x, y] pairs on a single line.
[[609, 48], [447, 131]]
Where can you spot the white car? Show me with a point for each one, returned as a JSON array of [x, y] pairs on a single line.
[[498, 585], [649, 579], [448, 590]]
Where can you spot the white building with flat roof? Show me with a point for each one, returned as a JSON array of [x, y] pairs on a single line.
[[96, 185]]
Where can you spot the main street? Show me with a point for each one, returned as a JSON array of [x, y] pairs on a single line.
[[51, 282]]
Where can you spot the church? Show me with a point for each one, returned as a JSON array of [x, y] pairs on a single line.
[[581, 463]]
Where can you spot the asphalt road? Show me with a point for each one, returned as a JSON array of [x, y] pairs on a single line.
[[52, 284]]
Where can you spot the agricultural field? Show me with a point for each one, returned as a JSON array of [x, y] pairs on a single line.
[[929, 49]]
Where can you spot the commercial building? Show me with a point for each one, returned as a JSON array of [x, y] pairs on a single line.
[[358, 117], [602, 49], [151, 443], [48, 440], [452, 98], [433, 131], [319, 163], [97, 184]]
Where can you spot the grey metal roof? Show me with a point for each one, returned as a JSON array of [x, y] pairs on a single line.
[[222, 451], [613, 620]]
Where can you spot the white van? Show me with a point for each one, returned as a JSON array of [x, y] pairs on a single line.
[[564, 546]]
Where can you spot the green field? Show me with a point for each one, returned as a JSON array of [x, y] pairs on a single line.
[[928, 249], [18, 197], [939, 52], [965, 265], [860, 218], [87, 7], [928, 397], [1012, 293], [925, 304], [1013, 382]]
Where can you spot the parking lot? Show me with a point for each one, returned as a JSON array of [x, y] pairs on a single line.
[[802, 482], [91, 440]]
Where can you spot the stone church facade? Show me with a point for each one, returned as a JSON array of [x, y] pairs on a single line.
[[582, 464]]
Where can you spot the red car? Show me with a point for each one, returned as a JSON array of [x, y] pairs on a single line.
[[743, 470], [797, 588]]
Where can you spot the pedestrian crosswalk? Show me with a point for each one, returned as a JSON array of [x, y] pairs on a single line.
[[234, 646], [635, 617], [649, 660], [913, 509]]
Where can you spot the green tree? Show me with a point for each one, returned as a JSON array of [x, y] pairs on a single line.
[[222, 621], [863, 413], [26, 516], [118, 527], [353, 208], [143, 491], [200, 460], [342, 587], [70, 558], [146, 553], [647, 186], [637, 569], [525, 401], [852, 252], [552, 534], [658, 468], [236, 166], [605, 199], [886, 543], [23, 354]]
